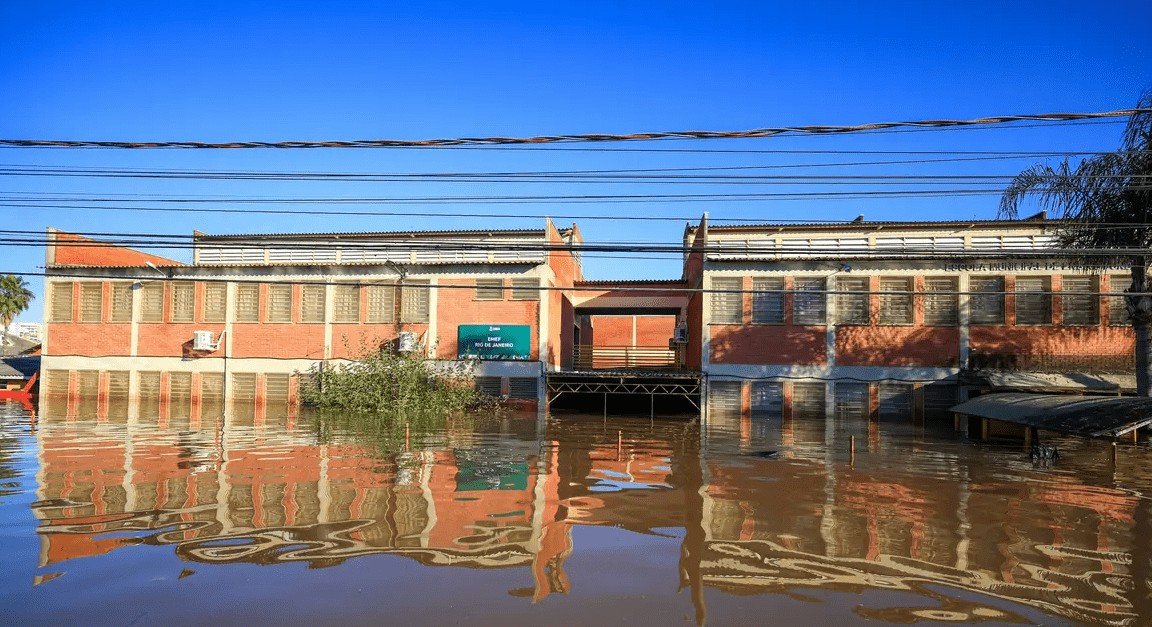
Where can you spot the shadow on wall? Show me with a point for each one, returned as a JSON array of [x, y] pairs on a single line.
[[1043, 349], [934, 347], [768, 345]]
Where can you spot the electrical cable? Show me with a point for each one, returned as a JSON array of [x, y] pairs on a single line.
[[598, 137]]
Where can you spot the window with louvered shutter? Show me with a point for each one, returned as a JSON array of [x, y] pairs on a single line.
[[808, 399], [767, 399], [941, 301], [727, 301], [489, 289], [152, 302], [149, 384], [381, 304], [118, 385], [851, 400], [1080, 301], [215, 302], [248, 302], [61, 302], [724, 398], [1033, 301], [277, 387], [414, 302], [525, 289], [768, 300], [986, 301], [87, 384], [895, 301], [279, 303], [121, 302], [852, 308], [808, 302], [1117, 309], [183, 302], [346, 303], [180, 386], [243, 386], [90, 301], [312, 307], [895, 399], [523, 388], [212, 387], [489, 386]]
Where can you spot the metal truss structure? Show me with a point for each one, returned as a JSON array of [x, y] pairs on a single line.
[[653, 384]]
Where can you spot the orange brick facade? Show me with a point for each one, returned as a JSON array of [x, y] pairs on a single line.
[[865, 341]]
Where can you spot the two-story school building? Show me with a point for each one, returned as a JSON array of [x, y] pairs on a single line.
[[868, 317], [255, 311], [863, 316]]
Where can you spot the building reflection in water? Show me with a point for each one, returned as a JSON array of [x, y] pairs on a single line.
[[940, 523]]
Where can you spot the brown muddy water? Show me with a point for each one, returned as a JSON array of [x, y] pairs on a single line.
[[157, 517]]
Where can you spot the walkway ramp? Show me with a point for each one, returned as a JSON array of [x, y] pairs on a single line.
[[1091, 416]]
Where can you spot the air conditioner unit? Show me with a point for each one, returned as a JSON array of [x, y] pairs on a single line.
[[407, 342], [680, 336], [202, 341]]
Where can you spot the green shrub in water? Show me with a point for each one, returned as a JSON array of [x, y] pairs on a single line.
[[380, 380]]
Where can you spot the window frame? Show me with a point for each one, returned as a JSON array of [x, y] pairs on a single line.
[[1118, 304], [488, 289], [765, 306], [246, 313], [527, 288], [273, 314], [346, 303], [975, 297], [810, 291], [375, 294], [87, 288], [188, 313], [1042, 296], [152, 290], [61, 290], [726, 291], [1072, 298], [950, 297], [307, 294], [120, 314], [409, 295], [905, 293], [210, 294], [855, 302]]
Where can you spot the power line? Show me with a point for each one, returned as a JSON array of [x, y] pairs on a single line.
[[554, 139], [366, 243]]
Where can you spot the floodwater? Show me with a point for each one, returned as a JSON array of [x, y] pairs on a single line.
[[161, 517]]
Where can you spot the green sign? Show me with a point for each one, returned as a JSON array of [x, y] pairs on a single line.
[[495, 341]]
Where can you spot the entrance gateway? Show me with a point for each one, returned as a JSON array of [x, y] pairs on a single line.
[[622, 347]]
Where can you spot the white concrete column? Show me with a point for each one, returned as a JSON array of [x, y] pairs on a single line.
[[433, 305], [964, 318]]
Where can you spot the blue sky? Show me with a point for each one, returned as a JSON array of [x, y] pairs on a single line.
[[292, 71]]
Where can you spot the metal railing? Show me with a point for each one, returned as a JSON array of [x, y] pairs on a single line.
[[586, 357]]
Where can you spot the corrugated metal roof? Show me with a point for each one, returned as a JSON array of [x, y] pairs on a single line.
[[18, 368], [367, 234], [1095, 417], [194, 268], [839, 226], [625, 282]]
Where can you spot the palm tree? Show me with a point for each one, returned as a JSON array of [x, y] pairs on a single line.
[[1106, 203], [14, 298]]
